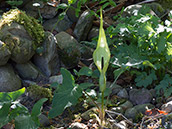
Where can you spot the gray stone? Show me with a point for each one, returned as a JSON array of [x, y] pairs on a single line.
[[27, 71], [48, 11], [71, 11], [138, 96], [115, 89], [55, 24], [19, 42], [4, 53], [167, 107], [68, 49], [126, 105], [86, 115], [9, 81], [143, 107], [131, 113], [123, 93], [33, 8], [94, 32], [86, 52], [30, 9], [44, 121], [27, 83], [169, 99], [48, 62], [78, 125], [58, 79], [83, 26]]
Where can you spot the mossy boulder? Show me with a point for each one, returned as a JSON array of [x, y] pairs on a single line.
[[21, 33], [38, 92], [4, 53]]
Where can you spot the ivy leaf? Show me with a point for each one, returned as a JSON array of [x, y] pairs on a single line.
[[67, 94]]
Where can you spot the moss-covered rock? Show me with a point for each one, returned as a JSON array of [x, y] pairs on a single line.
[[31, 25], [4, 53], [38, 92], [21, 33]]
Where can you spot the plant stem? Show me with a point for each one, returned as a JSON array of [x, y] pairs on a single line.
[[102, 111]]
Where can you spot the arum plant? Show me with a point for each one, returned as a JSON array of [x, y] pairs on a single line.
[[101, 57]]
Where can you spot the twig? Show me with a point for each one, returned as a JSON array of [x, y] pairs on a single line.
[[152, 118], [116, 113]]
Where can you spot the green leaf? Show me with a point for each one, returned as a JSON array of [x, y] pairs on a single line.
[[84, 86], [85, 71], [11, 96], [101, 55], [36, 111], [18, 109], [161, 42], [4, 110], [67, 94], [112, 3], [25, 122], [105, 5]]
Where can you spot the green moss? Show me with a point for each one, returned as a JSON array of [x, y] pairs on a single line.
[[39, 92], [31, 25]]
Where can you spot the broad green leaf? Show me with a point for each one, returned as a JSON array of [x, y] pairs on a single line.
[[85, 71], [36, 111], [67, 94], [11, 96], [37, 107], [84, 86], [25, 122], [161, 43], [68, 80], [4, 117], [101, 55]]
